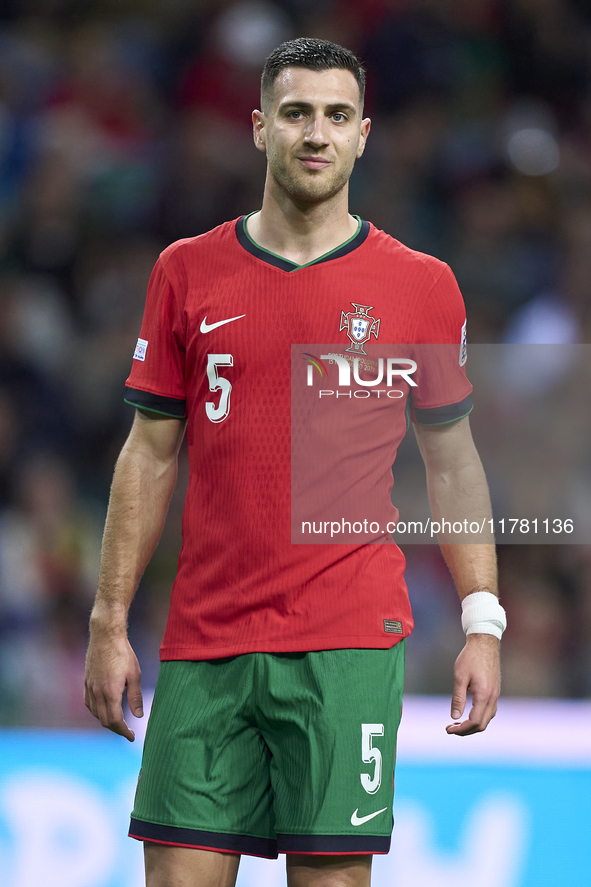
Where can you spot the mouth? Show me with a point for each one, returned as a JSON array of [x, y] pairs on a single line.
[[311, 162]]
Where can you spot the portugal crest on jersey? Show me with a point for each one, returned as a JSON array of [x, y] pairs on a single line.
[[360, 326]]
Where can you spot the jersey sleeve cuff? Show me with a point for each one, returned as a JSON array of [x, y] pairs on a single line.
[[156, 403], [442, 415]]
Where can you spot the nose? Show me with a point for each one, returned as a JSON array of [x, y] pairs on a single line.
[[315, 134]]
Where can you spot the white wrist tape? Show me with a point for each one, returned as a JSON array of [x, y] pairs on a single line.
[[483, 614]]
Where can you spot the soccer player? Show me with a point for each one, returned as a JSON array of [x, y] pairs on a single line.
[[273, 726]]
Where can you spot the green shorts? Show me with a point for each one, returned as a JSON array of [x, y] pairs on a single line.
[[273, 752]]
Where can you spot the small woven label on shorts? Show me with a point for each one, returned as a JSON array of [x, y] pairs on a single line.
[[393, 626]]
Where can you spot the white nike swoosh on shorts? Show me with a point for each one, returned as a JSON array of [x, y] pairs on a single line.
[[208, 327], [359, 820]]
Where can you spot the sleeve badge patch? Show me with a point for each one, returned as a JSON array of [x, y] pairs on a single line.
[[140, 349], [463, 346]]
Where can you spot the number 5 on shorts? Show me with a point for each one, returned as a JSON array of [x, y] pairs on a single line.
[[369, 754]]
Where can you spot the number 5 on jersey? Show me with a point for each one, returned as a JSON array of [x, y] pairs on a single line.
[[371, 784], [218, 383]]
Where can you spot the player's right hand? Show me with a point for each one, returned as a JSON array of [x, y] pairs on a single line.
[[111, 668]]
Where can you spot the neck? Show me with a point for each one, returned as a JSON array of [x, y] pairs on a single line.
[[301, 233]]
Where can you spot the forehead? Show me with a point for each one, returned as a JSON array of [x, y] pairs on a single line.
[[329, 87]]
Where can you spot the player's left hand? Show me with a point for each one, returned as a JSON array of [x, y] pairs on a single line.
[[477, 671]]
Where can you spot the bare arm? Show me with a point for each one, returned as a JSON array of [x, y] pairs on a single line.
[[144, 480], [458, 491]]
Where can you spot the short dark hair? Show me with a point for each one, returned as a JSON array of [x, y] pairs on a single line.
[[312, 53]]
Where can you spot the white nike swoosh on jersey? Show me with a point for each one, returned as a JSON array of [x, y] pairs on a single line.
[[208, 327], [359, 820]]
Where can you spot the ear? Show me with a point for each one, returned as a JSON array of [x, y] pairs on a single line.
[[258, 130], [365, 128]]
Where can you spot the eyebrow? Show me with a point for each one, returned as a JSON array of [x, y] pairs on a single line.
[[308, 106]]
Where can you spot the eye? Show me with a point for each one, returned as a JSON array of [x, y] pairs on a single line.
[[339, 117], [295, 115]]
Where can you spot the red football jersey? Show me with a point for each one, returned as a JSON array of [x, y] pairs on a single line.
[[222, 319]]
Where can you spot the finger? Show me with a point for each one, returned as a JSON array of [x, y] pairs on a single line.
[[101, 707], [134, 695], [484, 706], [116, 721], [110, 714], [90, 701], [481, 714], [458, 699], [478, 709], [490, 712], [122, 729], [466, 728]]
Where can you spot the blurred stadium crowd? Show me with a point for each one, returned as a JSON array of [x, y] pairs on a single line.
[[126, 125]]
